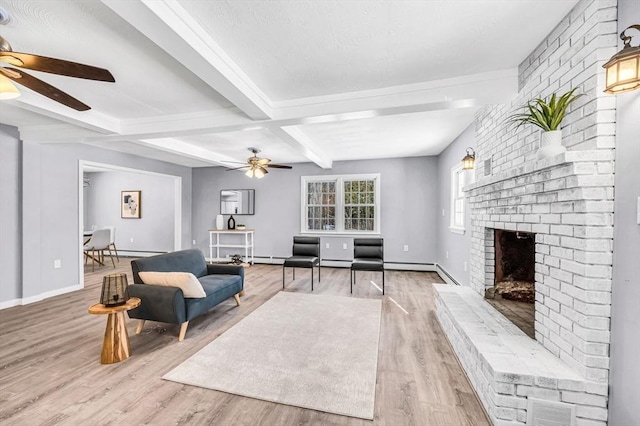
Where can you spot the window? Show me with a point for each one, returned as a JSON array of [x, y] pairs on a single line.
[[458, 181], [341, 204]]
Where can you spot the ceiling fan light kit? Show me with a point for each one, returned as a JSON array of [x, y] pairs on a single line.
[[257, 167], [7, 89]]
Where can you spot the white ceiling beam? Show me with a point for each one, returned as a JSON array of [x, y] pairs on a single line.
[[486, 88], [478, 89], [300, 142], [185, 149], [167, 24], [91, 119]]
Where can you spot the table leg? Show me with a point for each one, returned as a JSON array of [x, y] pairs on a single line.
[[115, 347]]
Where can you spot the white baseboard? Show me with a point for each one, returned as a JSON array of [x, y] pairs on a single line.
[[39, 297], [124, 253], [10, 303], [445, 275]]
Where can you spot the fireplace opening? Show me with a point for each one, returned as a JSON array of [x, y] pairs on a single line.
[[513, 293]]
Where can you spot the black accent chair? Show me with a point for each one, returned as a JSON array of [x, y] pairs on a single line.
[[306, 254], [368, 255]]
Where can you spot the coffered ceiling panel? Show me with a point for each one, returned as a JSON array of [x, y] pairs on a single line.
[[406, 135], [294, 49]]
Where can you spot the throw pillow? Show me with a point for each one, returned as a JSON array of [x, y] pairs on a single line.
[[188, 282]]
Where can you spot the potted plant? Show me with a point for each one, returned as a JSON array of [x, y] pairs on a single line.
[[548, 115]]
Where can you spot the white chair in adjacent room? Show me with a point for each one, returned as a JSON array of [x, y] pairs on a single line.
[[98, 243], [112, 240]]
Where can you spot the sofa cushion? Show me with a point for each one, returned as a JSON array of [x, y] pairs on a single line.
[[216, 283], [186, 281], [191, 260]]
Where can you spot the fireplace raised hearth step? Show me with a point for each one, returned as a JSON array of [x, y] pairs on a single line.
[[506, 367]]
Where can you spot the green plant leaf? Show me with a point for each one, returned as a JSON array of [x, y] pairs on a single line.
[[547, 115]]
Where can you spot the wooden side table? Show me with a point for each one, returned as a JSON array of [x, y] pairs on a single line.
[[115, 347]]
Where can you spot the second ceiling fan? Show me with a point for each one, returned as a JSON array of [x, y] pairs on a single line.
[[257, 166]]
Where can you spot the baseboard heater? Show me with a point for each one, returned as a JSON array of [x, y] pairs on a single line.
[[341, 263]]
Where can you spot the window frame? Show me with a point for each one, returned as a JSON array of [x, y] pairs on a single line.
[[340, 204]]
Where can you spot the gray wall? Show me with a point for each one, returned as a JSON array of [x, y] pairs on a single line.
[[154, 231], [624, 379], [456, 245], [50, 206], [408, 210], [10, 222]]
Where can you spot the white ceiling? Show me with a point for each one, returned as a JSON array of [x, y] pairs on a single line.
[[199, 82]]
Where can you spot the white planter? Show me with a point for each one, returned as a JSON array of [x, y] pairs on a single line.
[[219, 222], [550, 144]]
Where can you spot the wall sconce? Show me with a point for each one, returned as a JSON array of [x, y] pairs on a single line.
[[623, 69], [469, 160]]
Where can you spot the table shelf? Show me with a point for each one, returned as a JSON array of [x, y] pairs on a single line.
[[215, 244]]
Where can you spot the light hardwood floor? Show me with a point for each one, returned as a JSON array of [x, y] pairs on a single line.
[[50, 371]]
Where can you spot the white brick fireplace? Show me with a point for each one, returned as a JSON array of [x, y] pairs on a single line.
[[567, 202]]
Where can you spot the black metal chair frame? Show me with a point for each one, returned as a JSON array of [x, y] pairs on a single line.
[[301, 247], [358, 256]]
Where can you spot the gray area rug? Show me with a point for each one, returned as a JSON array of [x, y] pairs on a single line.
[[310, 351]]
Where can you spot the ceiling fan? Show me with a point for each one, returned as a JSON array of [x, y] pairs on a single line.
[[258, 166], [44, 64]]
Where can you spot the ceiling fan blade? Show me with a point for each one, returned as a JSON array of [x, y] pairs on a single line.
[[45, 89], [278, 166], [57, 66], [263, 161], [236, 168]]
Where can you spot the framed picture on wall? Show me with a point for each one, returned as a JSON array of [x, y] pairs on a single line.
[[130, 206]]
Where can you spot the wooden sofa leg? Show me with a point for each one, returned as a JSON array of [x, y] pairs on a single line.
[[241, 293], [237, 299], [140, 326], [183, 330]]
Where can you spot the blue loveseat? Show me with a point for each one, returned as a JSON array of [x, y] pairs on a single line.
[[168, 304]]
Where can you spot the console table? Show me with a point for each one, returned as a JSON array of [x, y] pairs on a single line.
[[244, 241]]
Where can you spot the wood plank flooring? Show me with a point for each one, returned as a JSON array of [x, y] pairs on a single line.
[[522, 314], [50, 371]]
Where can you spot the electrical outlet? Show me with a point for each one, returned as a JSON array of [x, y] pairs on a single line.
[[446, 253], [194, 242], [442, 212], [326, 245], [465, 266], [57, 264], [131, 239], [406, 248], [344, 246]]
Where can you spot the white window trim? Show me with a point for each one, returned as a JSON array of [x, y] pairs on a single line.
[[340, 231], [455, 172]]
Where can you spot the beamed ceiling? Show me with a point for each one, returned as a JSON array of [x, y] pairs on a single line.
[[199, 82]]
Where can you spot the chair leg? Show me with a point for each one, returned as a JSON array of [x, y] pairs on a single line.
[[183, 330], [294, 274], [383, 282], [111, 257], [140, 326], [283, 277], [351, 279], [311, 277], [319, 267], [93, 260], [116, 250]]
